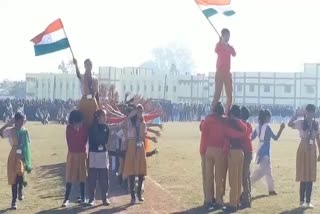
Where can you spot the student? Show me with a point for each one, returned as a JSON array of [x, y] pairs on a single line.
[[235, 159], [76, 166], [265, 134], [306, 164], [214, 131], [98, 158], [245, 199], [223, 75], [19, 159]]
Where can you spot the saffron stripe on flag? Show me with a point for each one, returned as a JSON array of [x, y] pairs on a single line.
[[52, 47], [54, 26], [213, 2]]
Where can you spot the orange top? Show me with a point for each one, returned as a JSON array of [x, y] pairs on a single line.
[[224, 52]]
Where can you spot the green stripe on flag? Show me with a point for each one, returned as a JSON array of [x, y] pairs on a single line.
[[52, 47], [209, 12], [229, 13]]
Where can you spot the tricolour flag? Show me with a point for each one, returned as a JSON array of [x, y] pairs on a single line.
[[213, 7], [52, 39]]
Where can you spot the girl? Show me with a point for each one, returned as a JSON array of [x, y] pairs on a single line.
[[265, 134], [19, 159], [98, 158], [89, 87], [76, 167], [306, 155], [135, 161]]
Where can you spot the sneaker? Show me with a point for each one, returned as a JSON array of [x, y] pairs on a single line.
[[65, 203], [141, 198], [208, 206], [21, 197], [273, 193], [79, 200], [302, 204], [106, 202], [91, 203], [14, 206], [230, 209], [310, 206]]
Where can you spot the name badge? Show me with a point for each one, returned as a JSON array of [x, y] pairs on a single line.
[[19, 151], [311, 142], [89, 96], [100, 148]]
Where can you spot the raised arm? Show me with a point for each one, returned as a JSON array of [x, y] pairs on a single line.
[[291, 123], [7, 125], [75, 62], [276, 137]]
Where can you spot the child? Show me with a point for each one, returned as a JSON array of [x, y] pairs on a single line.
[[76, 167], [19, 159], [245, 198], [223, 75], [264, 132], [307, 153], [98, 158]]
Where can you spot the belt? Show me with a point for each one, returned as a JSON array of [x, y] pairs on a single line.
[[88, 97]]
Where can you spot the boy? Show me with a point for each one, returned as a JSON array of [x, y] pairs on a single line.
[[223, 74]]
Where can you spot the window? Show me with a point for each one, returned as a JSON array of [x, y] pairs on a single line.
[[159, 88], [67, 86], [138, 88], [287, 88], [131, 88], [145, 87], [167, 88], [251, 88], [266, 88], [310, 89], [152, 88], [211, 84], [174, 89], [60, 85], [239, 88]]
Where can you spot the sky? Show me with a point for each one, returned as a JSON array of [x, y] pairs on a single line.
[[268, 35]]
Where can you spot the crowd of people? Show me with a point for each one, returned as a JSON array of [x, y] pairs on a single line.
[[226, 147]]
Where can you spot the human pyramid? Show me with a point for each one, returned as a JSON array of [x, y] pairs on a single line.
[[108, 128], [226, 145]]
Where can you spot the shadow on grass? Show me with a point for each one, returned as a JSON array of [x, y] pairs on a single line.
[[298, 210], [199, 209], [258, 197]]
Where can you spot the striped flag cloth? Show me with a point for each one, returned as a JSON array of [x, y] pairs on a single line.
[[213, 7], [52, 39]]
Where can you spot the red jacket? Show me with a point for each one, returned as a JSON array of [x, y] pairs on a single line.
[[224, 52], [77, 139], [247, 146]]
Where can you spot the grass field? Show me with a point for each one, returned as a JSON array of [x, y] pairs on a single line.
[[176, 168]]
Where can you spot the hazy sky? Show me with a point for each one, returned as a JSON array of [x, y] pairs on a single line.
[[268, 35]]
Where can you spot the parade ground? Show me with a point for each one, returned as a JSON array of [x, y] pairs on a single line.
[[173, 185]]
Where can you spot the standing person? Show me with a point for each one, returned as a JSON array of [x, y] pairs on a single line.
[[19, 159], [76, 166], [235, 159], [265, 134], [223, 75], [214, 131], [306, 164], [245, 199], [203, 168], [98, 158], [89, 102], [135, 163]]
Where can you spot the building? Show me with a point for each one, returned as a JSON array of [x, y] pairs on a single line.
[[295, 89]]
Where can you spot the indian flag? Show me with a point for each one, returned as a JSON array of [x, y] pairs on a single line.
[[213, 7], [52, 39]]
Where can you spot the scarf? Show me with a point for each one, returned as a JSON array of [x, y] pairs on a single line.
[[24, 144], [261, 132]]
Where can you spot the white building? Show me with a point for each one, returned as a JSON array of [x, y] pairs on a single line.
[[249, 88]]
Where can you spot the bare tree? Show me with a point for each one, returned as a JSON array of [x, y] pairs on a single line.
[[66, 67], [172, 57]]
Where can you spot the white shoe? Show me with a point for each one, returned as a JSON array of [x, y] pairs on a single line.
[[302, 204], [309, 205]]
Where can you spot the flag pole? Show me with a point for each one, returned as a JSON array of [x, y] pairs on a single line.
[[215, 29], [64, 31]]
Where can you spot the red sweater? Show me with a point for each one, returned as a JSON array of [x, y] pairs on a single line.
[[224, 52], [77, 140], [215, 129]]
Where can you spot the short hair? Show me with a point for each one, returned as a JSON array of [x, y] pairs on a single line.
[[245, 113], [235, 111], [311, 108], [75, 117], [87, 60], [225, 31], [218, 109]]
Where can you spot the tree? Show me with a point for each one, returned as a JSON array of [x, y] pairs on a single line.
[[172, 57], [66, 67]]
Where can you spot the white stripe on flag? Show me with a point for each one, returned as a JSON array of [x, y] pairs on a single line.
[[52, 37]]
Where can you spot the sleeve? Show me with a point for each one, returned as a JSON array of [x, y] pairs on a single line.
[[298, 124], [270, 132], [219, 47], [6, 133], [254, 134]]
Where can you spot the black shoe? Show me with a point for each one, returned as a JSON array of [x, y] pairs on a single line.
[[218, 206], [21, 197], [245, 205], [271, 193], [106, 202], [230, 209], [79, 200], [208, 206]]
